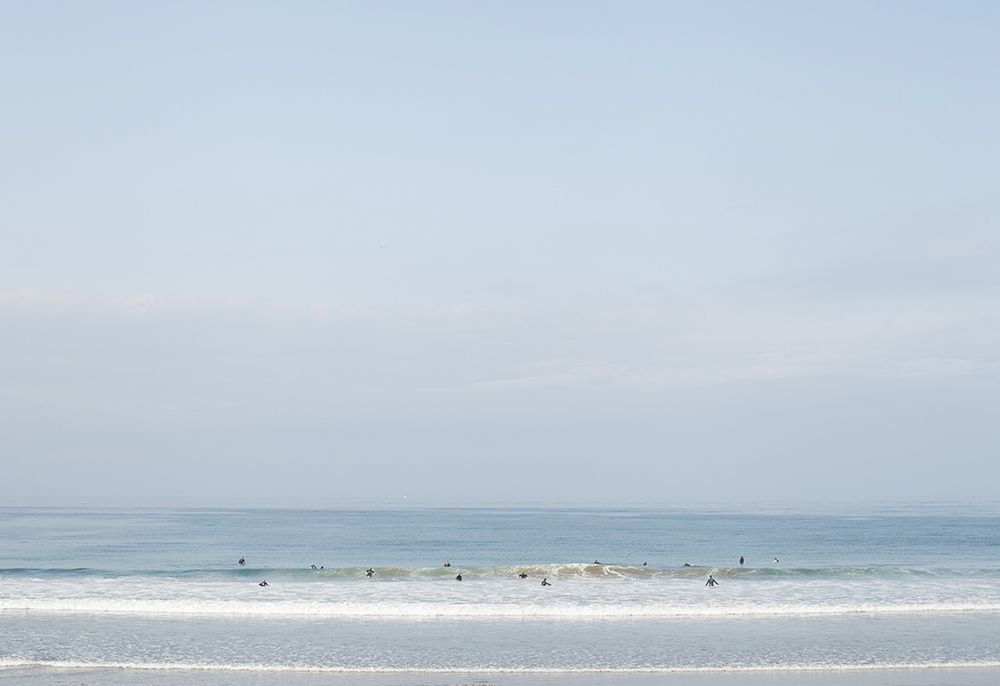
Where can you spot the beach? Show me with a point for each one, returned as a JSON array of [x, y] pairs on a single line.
[[942, 676]]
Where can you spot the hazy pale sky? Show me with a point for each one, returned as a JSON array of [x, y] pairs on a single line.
[[499, 251]]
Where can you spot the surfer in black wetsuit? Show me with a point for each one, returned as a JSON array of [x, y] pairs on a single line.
[[242, 560], [522, 575], [458, 578], [314, 566], [545, 582], [263, 583], [369, 572], [711, 581], [741, 560], [447, 564]]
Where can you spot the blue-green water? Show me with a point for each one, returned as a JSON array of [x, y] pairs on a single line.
[[834, 590]]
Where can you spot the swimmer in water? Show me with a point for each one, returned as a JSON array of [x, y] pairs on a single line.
[[545, 582], [711, 583]]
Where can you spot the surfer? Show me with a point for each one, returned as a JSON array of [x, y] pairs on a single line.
[[458, 578], [314, 566], [522, 575], [711, 581], [369, 572], [263, 583], [775, 560], [447, 564], [686, 564], [741, 560], [242, 560], [545, 582]]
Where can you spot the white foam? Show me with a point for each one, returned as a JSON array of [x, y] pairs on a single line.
[[417, 610]]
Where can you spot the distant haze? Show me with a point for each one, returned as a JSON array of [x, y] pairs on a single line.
[[499, 252]]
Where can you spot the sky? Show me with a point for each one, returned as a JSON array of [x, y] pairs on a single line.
[[499, 252]]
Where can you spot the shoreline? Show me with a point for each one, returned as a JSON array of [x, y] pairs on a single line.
[[973, 674]]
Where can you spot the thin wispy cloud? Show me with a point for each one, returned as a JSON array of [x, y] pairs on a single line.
[[649, 233]]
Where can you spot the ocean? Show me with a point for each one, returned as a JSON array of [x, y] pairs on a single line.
[[901, 594]]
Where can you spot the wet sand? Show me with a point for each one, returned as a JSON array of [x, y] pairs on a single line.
[[924, 676]]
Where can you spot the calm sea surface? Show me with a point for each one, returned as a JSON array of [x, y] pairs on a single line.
[[126, 593]]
